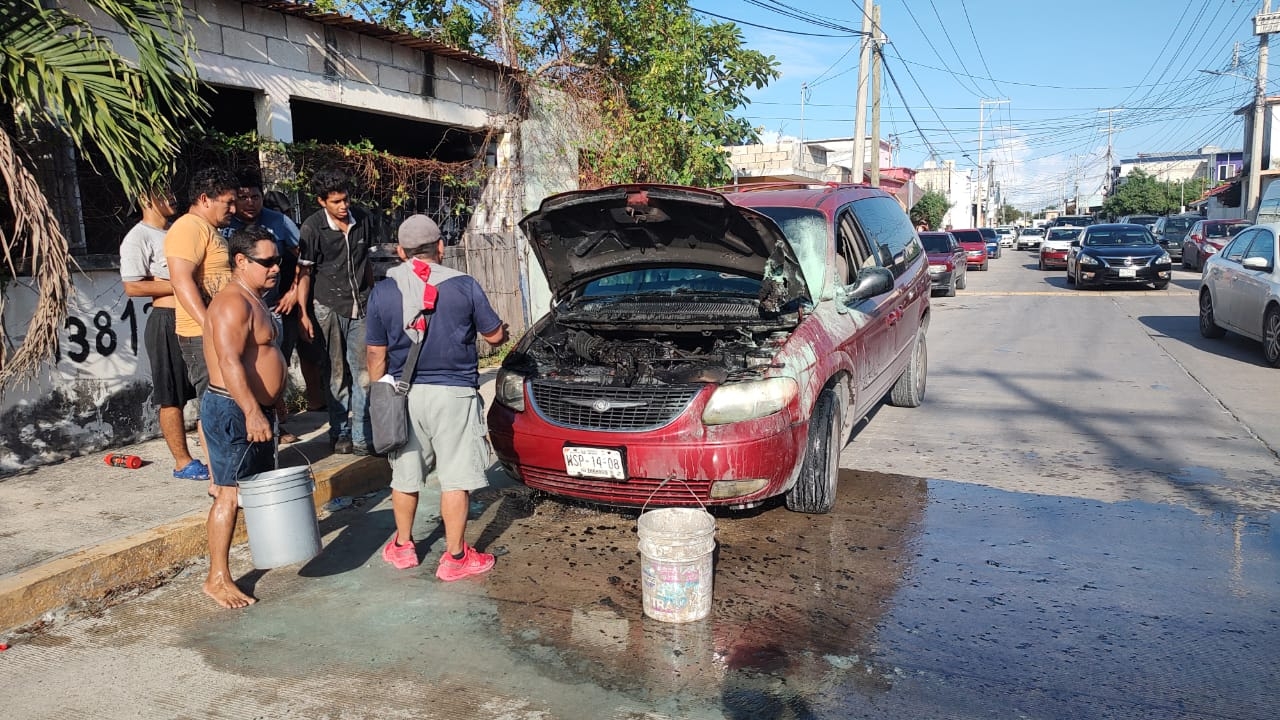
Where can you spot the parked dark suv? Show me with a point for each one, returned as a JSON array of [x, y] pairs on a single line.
[[1171, 230], [711, 349]]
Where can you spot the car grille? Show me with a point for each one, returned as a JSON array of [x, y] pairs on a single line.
[[635, 491], [592, 407]]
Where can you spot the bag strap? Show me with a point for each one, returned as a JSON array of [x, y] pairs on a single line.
[[411, 363]]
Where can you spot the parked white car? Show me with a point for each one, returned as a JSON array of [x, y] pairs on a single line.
[[1240, 290], [1030, 237], [1008, 235]]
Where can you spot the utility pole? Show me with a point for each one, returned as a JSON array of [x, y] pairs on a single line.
[[1263, 24], [875, 98], [860, 112], [804, 91], [1110, 155], [980, 216]]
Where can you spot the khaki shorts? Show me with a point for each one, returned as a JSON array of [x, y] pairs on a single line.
[[447, 441]]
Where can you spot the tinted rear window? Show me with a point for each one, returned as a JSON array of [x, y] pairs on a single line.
[[969, 236], [1178, 224], [1217, 230]]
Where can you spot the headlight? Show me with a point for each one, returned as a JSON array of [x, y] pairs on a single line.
[[1088, 260], [1164, 259], [748, 400], [509, 389]]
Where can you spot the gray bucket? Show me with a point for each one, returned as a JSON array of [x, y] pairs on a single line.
[[280, 515]]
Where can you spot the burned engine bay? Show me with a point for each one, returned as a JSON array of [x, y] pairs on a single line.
[[616, 358]]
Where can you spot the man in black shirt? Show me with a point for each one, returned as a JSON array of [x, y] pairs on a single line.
[[334, 271]]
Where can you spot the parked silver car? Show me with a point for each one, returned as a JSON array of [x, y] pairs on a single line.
[[1240, 290]]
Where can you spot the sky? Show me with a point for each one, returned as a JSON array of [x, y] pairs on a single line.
[[1058, 64]]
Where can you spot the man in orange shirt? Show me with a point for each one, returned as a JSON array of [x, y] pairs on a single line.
[[198, 264]]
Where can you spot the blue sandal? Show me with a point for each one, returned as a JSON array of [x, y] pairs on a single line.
[[194, 470]]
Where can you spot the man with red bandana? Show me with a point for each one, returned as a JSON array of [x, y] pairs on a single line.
[[446, 414]]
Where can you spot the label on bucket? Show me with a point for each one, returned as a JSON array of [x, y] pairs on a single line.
[[676, 592]]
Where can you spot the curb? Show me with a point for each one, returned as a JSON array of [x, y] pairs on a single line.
[[93, 572]]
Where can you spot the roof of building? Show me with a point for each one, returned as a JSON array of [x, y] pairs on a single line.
[[363, 27]]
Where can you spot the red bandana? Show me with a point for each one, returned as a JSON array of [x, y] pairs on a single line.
[[423, 270]]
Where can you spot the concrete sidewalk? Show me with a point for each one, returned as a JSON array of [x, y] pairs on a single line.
[[78, 530]]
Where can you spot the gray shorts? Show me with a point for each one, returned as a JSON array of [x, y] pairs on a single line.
[[447, 441]]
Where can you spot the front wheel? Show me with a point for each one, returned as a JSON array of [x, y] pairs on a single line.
[[908, 391], [815, 489], [984, 266], [1042, 265], [1271, 337], [1208, 324]]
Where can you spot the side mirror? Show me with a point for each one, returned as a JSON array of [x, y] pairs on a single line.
[[1075, 243], [1256, 263], [871, 281]]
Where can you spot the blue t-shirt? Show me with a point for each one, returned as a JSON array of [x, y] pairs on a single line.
[[449, 352]]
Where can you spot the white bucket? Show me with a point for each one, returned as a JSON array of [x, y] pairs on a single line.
[[280, 515], [675, 563]]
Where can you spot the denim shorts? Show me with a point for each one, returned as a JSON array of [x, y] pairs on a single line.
[[231, 456]]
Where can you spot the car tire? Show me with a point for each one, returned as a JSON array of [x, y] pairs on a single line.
[[815, 489], [1271, 337], [1161, 285], [963, 282], [908, 391], [1070, 279], [1208, 324], [984, 266], [1185, 265], [951, 290]]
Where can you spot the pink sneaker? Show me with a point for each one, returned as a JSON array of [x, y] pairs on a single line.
[[402, 557], [473, 562]]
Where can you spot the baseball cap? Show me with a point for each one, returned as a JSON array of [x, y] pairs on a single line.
[[416, 231]]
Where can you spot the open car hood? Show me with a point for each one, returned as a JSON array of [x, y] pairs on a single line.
[[584, 235]]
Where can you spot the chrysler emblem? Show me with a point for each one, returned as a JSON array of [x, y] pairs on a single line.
[[603, 405]]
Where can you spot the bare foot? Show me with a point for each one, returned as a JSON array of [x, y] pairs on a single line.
[[225, 593]]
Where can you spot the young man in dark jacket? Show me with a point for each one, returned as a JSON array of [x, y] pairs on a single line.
[[334, 271]]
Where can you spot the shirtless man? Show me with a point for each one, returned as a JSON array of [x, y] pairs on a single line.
[[246, 388]]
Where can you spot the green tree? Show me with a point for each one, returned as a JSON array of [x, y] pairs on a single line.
[[59, 76], [929, 209], [664, 83], [1009, 214], [1139, 194]]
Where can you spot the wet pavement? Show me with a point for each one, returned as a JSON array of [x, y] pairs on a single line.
[[1080, 522], [913, 598]]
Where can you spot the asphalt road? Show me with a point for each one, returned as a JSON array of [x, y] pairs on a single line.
[[1080, 522]]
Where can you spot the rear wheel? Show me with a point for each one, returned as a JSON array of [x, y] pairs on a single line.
[[1208, 325], [1185, 265], [1070, 278], [908, 391], [964, 280], [1271, 337], [1162, 285], [815, 489]]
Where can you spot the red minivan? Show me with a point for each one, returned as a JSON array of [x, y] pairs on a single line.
[[708, 348]]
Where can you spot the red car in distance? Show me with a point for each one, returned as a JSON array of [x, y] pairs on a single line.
[[1206, 238], [975, 247], [948, 266]]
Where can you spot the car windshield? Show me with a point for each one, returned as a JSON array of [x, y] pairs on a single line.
[[1223, 230], [1103, 238], [672, 281], [1063, 234], [935, 242]]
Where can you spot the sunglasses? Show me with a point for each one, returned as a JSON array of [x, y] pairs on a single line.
[[267, 262]]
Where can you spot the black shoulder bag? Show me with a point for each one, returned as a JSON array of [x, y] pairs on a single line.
[[389, 404]]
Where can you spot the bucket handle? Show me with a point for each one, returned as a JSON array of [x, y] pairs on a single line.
[[311, 470], [663, 483]]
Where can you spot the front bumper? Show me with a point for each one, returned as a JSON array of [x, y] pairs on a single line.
[[941, 280], [762, 453], [1106, 275]]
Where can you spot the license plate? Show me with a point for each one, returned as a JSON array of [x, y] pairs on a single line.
[[594, 463], [1127, 272]]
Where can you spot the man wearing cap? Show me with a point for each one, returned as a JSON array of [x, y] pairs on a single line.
[[446, 414]]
